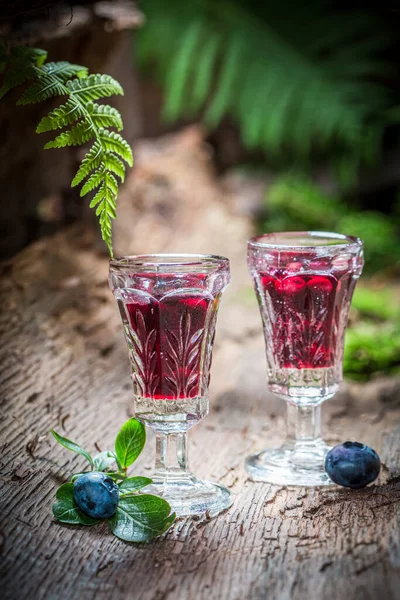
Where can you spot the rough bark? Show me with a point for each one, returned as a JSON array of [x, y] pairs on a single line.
[[64, 364]]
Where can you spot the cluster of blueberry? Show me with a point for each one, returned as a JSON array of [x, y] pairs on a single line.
[[351, 464]]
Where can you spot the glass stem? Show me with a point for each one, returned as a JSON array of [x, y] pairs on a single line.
[[304, 432], [172, 459]]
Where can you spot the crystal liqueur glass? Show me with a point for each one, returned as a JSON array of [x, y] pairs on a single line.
[[168, 304], [304, 283]]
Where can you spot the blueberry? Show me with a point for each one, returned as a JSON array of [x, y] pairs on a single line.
[[352, 464], [96, 495]]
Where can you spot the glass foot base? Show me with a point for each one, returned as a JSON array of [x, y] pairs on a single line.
[[192, 497], [290, 465]]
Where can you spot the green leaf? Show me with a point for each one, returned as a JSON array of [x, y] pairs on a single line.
[[64, 70], [93, 182], [65, 509], [141, 518], [94, 87], [104, 115], [45, 87], [78, 135], [35, 56], [98, 197], [180, 69], [60, 117], [91, 161], [311, 82], [21, 67], [114, 164], [103, 460], [115, 143], [71, 446], [130, 442], [88, 119], [133, 484], [20, 73]]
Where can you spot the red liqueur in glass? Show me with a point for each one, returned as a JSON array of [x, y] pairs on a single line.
[[168, 305], [167, 332], [304, 283]]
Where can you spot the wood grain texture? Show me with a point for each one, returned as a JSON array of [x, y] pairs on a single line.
[[64, 365]]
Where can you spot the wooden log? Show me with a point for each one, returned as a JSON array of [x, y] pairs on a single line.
[[64, 365]]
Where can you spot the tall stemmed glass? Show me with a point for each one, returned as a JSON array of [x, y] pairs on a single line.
[[168, 304], [304, 283]]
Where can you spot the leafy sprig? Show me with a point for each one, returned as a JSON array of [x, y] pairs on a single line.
[[139, 517], [103, 166]]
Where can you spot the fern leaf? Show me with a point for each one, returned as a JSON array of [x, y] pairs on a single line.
[[76, 136], [111, 182], [105, 200], [88, 119], [179, 71], [44, 88], [64, 70], [114, 164], [226, 89], [50, 83], [22, 63], [98, 196], [94, 87], [91, 161], [93, 182], [293, 84], [204, 72], [104, 115], [35, 56], [115, 143], [60, 117]]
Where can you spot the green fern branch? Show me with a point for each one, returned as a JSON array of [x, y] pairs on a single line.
[[88, 120]]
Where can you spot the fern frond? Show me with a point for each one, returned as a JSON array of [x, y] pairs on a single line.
[[22, 63], [105, 200], [180, 67], [64, 70], [115, 143], [291, 84], [99, 195], [114, 164], [60, 117], [93, 87], [90, 162], [76, 136], [35, 56], [89, 120], [204, 73], [104, 115], [93, 182], [44, 88]]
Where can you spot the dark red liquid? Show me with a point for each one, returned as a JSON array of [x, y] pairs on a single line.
[[306, 316], [167, 329]]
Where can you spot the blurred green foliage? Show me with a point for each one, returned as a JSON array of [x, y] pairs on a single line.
[[295, 77], [295, 202], [373, 338]]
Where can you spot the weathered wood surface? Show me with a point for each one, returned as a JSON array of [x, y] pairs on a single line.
[[64, 365]]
